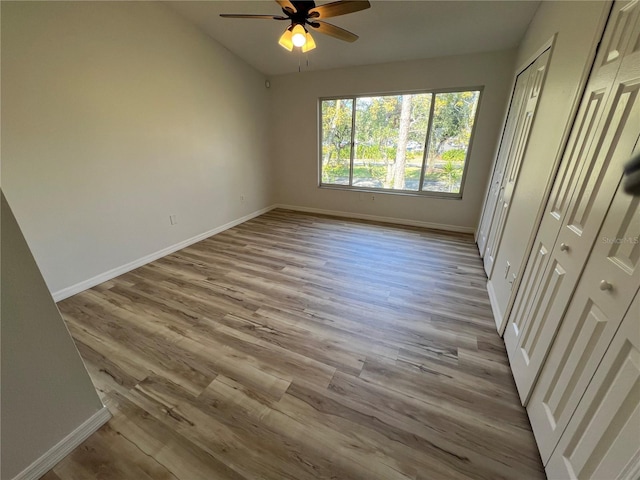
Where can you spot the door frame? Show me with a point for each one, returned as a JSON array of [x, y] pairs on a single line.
[[548, 45]]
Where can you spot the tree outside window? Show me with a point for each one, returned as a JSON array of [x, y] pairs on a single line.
[[404, 142]]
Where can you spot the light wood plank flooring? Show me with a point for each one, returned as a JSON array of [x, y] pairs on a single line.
[[301, 347]]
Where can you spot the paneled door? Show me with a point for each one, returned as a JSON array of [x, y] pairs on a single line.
[[589, 175], [606, 289], [602, 440], [517, 150], [496, 186]]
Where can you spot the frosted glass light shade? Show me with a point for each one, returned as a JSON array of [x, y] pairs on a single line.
[[310, 44], [285, 39], [299, 37]]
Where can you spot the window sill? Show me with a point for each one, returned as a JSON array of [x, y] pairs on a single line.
[[383, 191]]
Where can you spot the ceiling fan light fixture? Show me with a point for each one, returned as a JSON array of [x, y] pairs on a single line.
[[299, 36], [285, 39], [302, 13], [309, 45]]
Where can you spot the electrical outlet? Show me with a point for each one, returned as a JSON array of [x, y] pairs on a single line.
[[242, 198], [373, 198], [173, 219]]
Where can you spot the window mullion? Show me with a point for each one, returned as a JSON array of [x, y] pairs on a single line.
[[353, 140], [426, 141]]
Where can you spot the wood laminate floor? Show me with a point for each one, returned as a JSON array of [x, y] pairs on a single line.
[[299, 347]]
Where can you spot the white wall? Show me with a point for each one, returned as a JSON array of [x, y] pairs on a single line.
[[579, 26], [46, 391], [295, 132], [116, 115]]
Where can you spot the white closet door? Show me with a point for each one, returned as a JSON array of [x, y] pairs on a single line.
[[514, 159], [597, 92], [555, 266], [606, 289], [602, 440], [495, 190]]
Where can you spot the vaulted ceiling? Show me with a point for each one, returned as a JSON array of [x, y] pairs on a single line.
[[389, 31]]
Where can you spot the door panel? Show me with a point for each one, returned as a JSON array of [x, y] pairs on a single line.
[[537, 265], [582, 211], [569, 170], [591, 321], [514, 159], [602, 439], [569, 229], [552, 285], [495, 190]]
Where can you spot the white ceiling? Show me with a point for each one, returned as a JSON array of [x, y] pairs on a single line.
[[389, 31]]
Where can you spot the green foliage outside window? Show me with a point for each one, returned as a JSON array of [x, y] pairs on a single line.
[[386, 150]]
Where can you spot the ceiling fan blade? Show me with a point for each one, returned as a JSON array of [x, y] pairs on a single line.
[[333, 31], [261, 17], [287, 5], [338, 8]]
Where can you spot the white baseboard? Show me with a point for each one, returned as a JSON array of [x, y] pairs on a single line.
[[376, 218], [497, 315], [60, 450], [115, 272]]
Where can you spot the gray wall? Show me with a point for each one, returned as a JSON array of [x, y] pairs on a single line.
[[46, 391], [116, 115], [295, 130]]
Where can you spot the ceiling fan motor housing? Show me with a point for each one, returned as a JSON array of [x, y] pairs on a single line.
[[300, 12]]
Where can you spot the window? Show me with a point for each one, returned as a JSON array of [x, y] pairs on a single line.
[[411, 143]]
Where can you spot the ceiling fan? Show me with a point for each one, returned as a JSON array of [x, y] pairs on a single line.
[[303, 14]]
